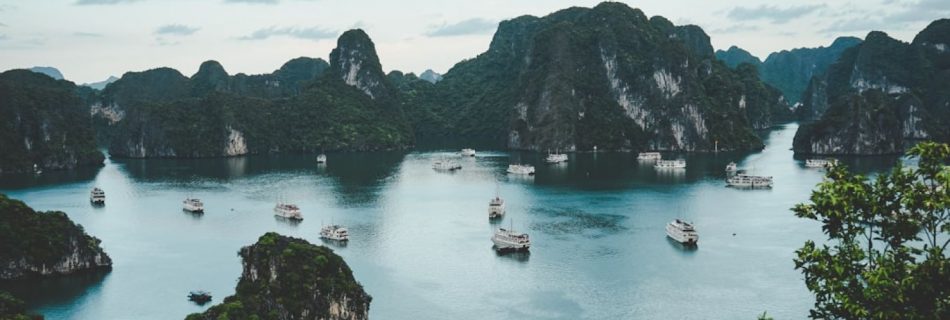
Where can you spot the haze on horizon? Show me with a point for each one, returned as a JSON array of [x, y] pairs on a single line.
[[90, 40]]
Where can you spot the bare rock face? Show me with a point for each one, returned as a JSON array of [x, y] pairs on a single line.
[[44, 243], [289, 278], [354, 60]]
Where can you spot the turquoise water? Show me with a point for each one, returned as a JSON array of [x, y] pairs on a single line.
[[420, 239]]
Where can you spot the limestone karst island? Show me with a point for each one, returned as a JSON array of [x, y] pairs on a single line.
[[461, 159]]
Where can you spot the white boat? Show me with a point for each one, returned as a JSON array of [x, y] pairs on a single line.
[[649, 156], [97, 196], [732, 167], [556, 157], [467, 152], [193, 205], [525, 169], [749, 181], [496, 208], [334, 232], [36, 169], [289, 211], [321, 158], [670, 164], [820, 163], [682, 231], [446, 165], [507, 239]]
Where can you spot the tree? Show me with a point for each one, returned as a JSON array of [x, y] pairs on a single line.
[[885, 257]]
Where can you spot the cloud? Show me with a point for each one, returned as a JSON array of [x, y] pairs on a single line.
[[773, 13], [103, 2], [176, 30], [2, 25], [464, 27], [253, 1], [736, 28], [312, 33], [87, 34]]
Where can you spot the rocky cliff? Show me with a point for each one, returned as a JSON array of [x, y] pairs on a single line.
[[881, 96], [605, 76], [44, 243], [307, 105], [734, 56], [44, 122], [289, 278]]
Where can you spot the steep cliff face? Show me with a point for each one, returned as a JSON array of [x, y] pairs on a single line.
[[734, 56], [607, 77], [880, 96], [307, 105], [44, 122], [44, 243], [289, 278]]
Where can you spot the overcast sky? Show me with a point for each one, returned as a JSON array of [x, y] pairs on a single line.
[[89, 40]]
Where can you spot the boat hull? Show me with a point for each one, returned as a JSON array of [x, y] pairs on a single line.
[[502, 245]]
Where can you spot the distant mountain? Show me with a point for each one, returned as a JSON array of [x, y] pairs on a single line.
[[790, 70], [49, 71], [44, 122], [881, 95], [306, 105], [605, 77], [736, 56], [101, 84], [430, 76]]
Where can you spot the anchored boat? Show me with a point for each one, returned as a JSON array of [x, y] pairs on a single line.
[[732, 167], [556, 157], [446, 165], [682, 232], [467, 152], [321, 158], [287, 210], [193, 205], [199, 297], [496, 208], [334, 232], [820, 163], [97, 196], [649, 156], [749, 181], [524, 169], [670, 164], [507, 239]]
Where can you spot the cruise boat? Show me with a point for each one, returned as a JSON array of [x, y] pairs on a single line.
[[36, 169], [556, 157], [682, 231], [97, 196], [649, 156], [193, 205], [820, 163], [467, 152], [321, 158], [732, 167], [525, 169], [334, 232], [749, 181], [289, 211], [507, 239], [446, 165], [496, 208], [670, 164]]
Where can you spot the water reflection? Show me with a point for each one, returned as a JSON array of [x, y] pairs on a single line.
[[360, 176], [519, 256], [682, 247], [55, 290], [288, 221]]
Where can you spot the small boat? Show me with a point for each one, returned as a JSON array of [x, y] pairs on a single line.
[[446, 165], [36, 169], [334, 232], [682, 232], [199, 296], [97, 196], [749, 181], [820, 163], [193, 205], [524, 169], [467, 152], [670, 164], [496, 208], [732, 167], [649, 156], [556, 157], [287, 210], [321, 158], [507, 239]]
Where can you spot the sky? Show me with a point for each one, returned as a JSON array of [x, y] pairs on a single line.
[[90, 40]]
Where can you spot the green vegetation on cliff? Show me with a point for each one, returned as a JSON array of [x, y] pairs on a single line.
[[44, 122], [289, 278], [44, 243], [12, 308]]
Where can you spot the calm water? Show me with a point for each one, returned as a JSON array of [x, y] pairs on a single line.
[[420, 239]]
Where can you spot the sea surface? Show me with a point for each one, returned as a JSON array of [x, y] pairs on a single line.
[[420, 239]]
